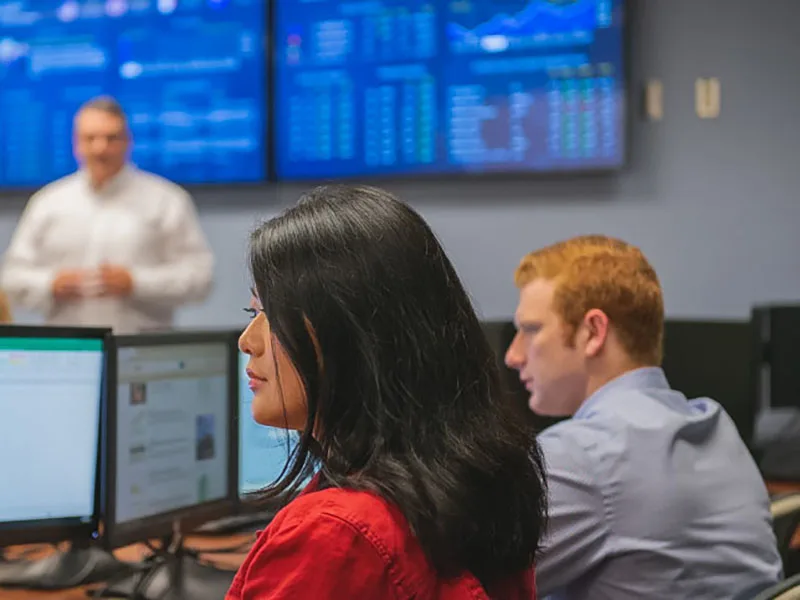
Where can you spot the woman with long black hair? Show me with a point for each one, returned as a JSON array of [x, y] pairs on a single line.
[[427, 483]]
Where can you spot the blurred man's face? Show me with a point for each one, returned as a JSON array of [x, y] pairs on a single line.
[[101, 144]]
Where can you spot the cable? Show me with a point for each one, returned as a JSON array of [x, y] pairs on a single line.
[[145, 579], [81, 575]]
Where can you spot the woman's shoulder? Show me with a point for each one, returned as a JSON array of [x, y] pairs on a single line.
[[382, 524], [342, 539], [367, 513], [317, 547], [351, 542]]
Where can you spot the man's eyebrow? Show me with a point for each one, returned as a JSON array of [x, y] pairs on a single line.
[[527, 323]]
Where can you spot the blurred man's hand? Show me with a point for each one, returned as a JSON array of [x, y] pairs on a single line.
[[116, 281], [69, 284]]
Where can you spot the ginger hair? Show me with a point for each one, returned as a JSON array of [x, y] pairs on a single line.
[[601, 272]]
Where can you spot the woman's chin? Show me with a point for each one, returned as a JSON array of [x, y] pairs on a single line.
[[269, 418]]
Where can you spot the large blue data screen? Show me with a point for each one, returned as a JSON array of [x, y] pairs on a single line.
[[191, 75], [385, 87]]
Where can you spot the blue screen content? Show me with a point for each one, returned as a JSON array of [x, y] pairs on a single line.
[[263, 451], [191, 75], [392, 87], [51, 392]]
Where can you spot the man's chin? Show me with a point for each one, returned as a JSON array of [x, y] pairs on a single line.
[[542, 409]]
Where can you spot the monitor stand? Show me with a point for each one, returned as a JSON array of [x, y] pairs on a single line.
[[63, 569], [172, 573]]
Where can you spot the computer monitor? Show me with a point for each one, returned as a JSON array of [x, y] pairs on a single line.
[[52, 395], [776, 356], [263, 451], [192, 75], [403, 88], [170, 432]]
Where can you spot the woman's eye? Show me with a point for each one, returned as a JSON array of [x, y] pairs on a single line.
[[251, 311]]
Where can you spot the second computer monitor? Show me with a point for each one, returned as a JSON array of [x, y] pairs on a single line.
[[171, 428], [263, 451]]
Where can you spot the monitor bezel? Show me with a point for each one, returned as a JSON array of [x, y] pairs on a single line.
[[186, 519], [77, 530]]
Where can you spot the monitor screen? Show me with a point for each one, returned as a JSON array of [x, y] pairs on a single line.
[[51, 395], [171, 428], [191, 74], [263, 451], [395, 87]]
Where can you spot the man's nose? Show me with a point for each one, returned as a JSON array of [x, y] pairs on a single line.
[[100, 145], [515, 358]]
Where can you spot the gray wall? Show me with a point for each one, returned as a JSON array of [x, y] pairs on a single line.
[[714, 204]]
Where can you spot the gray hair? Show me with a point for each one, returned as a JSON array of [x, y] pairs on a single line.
[[106, 104]]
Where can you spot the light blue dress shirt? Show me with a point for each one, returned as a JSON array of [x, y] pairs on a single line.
[[653, 497]]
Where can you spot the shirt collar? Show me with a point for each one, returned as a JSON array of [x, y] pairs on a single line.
[[643, 378], [113, 185]]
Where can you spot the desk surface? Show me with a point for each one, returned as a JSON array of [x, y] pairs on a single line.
[[232, 561], [783, 487], [138, 552]]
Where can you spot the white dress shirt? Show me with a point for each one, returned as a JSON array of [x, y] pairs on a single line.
[[139, 221], [653, 496]]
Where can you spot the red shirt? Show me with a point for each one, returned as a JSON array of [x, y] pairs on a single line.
[[342, 544]]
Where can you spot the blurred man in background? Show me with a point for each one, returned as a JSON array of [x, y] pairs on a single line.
[[109, 245], [651, 495]]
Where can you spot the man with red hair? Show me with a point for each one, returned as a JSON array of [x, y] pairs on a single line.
[[651, 495]]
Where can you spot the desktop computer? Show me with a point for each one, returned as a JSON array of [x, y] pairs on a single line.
[[53, 391], [170, 466], [776, 356], [775, 389]]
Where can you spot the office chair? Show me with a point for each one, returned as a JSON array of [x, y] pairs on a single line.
[[785, 511], [788, 589]]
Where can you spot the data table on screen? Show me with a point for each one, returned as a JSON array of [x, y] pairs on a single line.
[[396, 87]]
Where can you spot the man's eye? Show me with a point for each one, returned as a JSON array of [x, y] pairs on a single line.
[[251, 311]]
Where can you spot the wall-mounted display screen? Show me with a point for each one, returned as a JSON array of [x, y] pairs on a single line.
[[401, 87], [191, 74]]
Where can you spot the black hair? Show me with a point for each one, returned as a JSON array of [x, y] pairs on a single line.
[[403, 390]]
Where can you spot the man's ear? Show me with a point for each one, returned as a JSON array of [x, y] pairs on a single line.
[[596, 326]]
